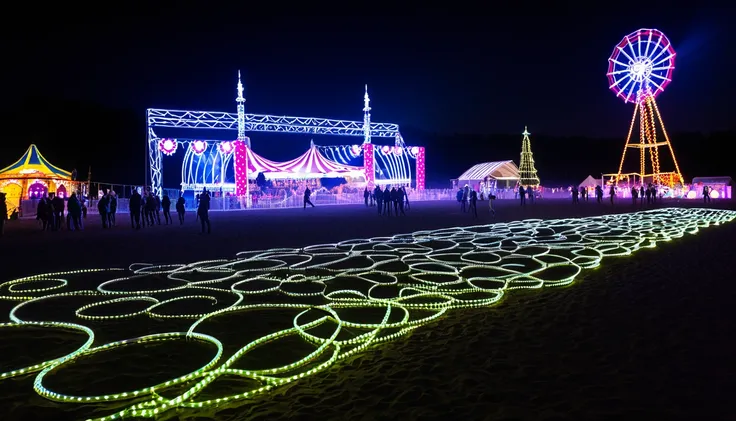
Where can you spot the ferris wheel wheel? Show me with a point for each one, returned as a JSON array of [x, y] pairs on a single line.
[[641, 65]]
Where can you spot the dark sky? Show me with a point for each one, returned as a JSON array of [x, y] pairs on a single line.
[[438, 74]]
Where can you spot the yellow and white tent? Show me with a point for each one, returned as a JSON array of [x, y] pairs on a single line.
[[30, 176]]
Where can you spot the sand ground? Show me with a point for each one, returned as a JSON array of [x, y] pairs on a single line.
[[644, 336]]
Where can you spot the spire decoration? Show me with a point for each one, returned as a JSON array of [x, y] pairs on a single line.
[[527, 172], [366, 117]]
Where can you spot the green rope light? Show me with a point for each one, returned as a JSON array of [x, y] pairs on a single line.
[[413, 278]]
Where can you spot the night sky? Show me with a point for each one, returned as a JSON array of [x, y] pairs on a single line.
[[435, 77]]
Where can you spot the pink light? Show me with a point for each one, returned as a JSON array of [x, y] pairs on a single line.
[[168, 146], [226, 147], [421, 166], [368, 165], [386, 149], [241, 167], [199, 146]]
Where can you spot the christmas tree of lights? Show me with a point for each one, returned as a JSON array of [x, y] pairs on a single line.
[[527, 172]]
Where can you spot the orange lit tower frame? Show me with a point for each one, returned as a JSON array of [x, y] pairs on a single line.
[[639, 69]]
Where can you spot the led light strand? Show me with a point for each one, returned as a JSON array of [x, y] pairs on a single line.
[[406, 276]]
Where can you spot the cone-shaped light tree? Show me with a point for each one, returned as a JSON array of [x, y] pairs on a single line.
[[527, 172]]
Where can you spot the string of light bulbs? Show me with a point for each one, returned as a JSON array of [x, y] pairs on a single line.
[[412, 279]]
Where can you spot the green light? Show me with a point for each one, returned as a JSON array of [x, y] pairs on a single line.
[[426, 273]]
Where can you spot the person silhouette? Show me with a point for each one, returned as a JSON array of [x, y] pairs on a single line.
[[307, 194], [203, 211], [3, 214], [134, 206], [180, 208], [166, 206]]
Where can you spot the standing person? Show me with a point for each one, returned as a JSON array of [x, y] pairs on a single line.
[[401, 193], [180, 208], [387, 201], [113, 208], [204, 210], [366, 195], [74, 209], [706, 194], [574, 195], [3, 213], [41, 214], [379, 198], [612, 192], [151, 209], [395, 199], [134, 206], [166, 206], [473, 203], [57, 204], [307, 194], [522, 195], [157, 208], [466, 197], [103, 207], [406, 198]]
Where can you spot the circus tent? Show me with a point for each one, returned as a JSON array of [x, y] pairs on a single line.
[[33, 176], [309, 165]]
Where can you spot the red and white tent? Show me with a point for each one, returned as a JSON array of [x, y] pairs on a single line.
[[311, 164]]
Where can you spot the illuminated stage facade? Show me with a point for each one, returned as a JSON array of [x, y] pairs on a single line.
[[207, 162]]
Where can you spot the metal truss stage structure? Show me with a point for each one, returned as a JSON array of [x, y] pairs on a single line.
[[392, 162]]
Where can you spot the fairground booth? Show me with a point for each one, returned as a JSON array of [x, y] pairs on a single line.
[[31, 177]]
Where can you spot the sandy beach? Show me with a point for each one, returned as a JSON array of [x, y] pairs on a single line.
[[639, 336]]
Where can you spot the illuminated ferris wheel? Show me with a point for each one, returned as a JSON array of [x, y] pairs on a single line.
[[639, 69], [641, 64]]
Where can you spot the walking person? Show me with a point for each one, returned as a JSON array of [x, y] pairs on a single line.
[[491, 198], [166, 206], [180, 208], [366, 196], [307, 194], [406, 198]]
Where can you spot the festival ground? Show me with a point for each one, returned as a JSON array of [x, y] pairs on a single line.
[[640, 336]]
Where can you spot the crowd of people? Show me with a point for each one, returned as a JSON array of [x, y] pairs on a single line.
[[50, 212], [468, 198], [385, 200], [53, 213]]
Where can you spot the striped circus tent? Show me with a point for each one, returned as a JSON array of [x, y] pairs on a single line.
[[31, 177], [312, 164]]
